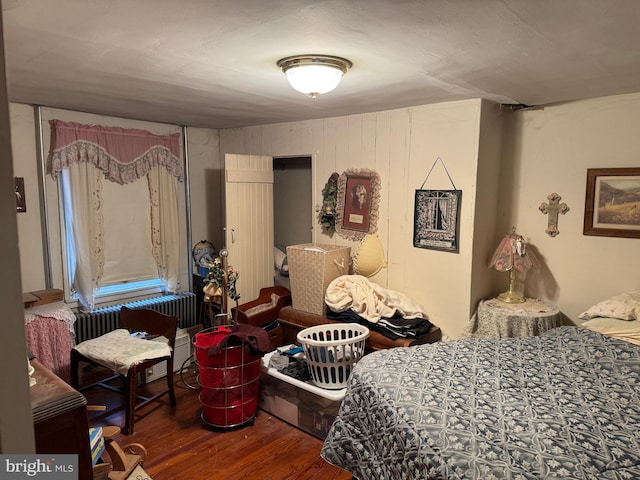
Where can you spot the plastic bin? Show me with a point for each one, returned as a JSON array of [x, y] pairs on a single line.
[[229, 379], [332, 350]]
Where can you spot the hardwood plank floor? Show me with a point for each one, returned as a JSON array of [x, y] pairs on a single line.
[[180, 446]]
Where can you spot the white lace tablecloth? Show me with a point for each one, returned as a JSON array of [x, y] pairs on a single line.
[[497, 319], [58, 310]]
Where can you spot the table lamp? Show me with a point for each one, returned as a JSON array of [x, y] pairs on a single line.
[[513, 256]]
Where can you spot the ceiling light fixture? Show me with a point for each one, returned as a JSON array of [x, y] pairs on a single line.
[[314, 74]]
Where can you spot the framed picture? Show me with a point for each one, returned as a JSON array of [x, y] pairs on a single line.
[[21, 204], [436, 222], [358, 203], [612, 204]]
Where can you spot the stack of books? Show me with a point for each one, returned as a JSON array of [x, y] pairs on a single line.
[[96, 441]]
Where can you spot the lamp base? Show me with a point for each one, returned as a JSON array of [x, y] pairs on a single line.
[[515, 294], [511, 297]]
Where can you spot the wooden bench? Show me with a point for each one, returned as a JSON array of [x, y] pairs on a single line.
[[292, 321]]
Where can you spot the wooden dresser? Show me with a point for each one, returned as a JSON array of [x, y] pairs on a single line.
[[60, 420], [292, 321]]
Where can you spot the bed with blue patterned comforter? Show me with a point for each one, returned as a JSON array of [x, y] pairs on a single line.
[[562, 405]]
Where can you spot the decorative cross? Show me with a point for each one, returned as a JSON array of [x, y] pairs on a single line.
[[553, 208]]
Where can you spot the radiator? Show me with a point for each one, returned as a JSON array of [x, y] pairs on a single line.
[[103, 320]]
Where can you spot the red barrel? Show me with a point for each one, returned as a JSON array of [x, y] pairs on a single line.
[[229, 379]]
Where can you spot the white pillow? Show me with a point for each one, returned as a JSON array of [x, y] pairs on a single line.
[[624, 307], [280, 261], [614, 327]]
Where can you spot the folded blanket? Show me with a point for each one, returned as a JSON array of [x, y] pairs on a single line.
[[369, 300]]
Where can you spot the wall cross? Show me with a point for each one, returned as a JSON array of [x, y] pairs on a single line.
[[553, 208]]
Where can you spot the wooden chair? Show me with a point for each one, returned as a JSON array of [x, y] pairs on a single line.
[[135, 320]]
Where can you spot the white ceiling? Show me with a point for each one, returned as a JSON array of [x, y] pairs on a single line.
[[212, 63]]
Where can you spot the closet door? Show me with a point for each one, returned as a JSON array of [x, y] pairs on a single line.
[[249, 221]]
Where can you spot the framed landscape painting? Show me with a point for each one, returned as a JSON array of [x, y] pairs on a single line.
[[612, 203]]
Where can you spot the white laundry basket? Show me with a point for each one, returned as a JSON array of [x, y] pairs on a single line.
[[332, 350]]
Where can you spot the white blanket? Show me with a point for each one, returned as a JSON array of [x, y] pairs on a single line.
[[369, 300]]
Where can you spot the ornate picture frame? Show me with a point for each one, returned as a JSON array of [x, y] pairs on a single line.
[[612, 202], [358, 203]]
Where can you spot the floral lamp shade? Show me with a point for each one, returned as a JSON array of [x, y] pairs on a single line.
[[513, 255]]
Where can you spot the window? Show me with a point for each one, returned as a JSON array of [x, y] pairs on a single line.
[[119, 202], [129, 266]]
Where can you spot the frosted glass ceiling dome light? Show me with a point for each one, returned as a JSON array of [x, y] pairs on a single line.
[[314, 74]]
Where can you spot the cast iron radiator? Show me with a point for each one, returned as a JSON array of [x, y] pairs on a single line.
[[103, 320]]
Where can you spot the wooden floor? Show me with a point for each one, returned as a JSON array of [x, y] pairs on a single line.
[[180, 446]]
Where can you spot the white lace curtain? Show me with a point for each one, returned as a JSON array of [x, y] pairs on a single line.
[[86, 153], [438, 214]]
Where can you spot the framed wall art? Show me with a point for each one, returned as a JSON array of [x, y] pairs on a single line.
[[436, 216], [612, 202], [436, 219], [358, 203]]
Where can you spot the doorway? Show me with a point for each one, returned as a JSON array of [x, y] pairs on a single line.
[[292, 201]]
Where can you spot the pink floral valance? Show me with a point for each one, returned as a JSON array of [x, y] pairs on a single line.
[[123, 154]]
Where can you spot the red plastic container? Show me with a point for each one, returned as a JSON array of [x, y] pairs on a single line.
[[229, 379]]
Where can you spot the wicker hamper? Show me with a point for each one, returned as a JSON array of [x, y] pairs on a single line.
[[312, 266]]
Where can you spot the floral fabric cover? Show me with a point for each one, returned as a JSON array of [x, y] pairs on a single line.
[[50, 334], [562, 405], [119, 351]]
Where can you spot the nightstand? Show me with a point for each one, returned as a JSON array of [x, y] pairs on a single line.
[[497, 319]]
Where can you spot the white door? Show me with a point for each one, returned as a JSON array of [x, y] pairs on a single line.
[[249, 221]]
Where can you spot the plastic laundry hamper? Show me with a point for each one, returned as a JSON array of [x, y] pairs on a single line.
[[229, 380], [332, 350]]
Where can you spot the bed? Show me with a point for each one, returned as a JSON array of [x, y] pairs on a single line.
[[562, 405]]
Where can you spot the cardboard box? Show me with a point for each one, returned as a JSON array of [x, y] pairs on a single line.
[[312, 267], [310, 408], [43, 297], [182, 352]]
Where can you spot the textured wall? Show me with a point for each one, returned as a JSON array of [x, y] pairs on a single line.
[[401, 145]]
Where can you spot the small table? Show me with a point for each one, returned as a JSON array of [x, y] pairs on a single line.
[[497, 319]]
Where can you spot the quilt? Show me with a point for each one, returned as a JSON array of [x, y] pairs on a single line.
[[562, 405]]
